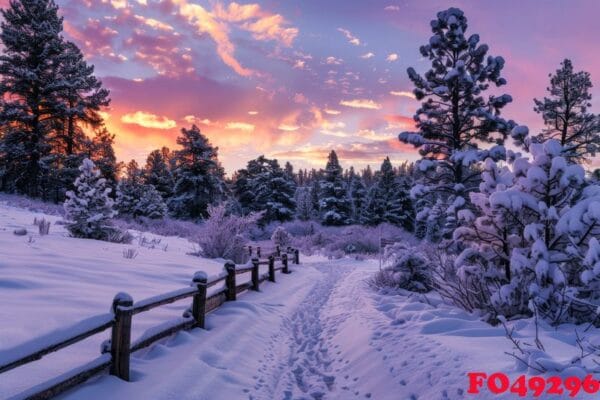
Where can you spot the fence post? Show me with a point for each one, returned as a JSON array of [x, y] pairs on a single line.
[[231, 293], [121, 335], [199, 301], [278, 250], [271, 268], [296, 256], [284, 261], [258, 252], [250, 251], [255, 274]]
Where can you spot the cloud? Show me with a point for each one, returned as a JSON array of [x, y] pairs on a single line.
[[263, 26], [148, 120], [402, 93], [240, 126], [361, 103], [392, 8], [367, 55], [154, 23], [357, 153], [332, 112], [333, 61], [351, 38], [288, 128], [392, 57]]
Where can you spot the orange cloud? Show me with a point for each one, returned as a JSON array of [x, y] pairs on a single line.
[[240, 126], [148, 120]]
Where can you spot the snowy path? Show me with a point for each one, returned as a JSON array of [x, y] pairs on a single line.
[[318, 334]]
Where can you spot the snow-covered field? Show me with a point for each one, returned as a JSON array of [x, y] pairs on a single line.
[[319, 333]]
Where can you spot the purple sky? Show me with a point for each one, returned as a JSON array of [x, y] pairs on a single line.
[[293, 79]]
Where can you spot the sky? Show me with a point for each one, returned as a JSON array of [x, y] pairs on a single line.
[[295, 79]]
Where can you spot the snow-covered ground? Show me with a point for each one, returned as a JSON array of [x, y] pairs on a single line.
[[319, 333]]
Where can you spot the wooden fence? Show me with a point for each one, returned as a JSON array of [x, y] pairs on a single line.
[[207, 295]]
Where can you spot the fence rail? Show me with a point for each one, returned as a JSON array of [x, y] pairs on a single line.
[[117, 352]]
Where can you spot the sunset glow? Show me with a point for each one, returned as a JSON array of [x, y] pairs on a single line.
[[295, 79]]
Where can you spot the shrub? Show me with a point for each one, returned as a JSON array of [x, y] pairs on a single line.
[[280, 237], [407, 268], [130, 253], [222, 235]]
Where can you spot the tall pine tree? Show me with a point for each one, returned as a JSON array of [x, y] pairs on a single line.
[[199, 176], [566, 114], [29, 90], [158, 174], [334, 206], [455, 118]]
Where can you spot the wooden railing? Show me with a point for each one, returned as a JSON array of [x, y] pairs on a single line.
[[207, 295]]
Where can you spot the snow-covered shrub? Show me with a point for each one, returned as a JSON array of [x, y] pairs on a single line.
[[354, 239], [222, 235], [89, 209], [300, 228], [409, 268], [281, 237]]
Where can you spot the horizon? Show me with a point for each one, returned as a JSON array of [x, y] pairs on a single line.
[[294, 81]]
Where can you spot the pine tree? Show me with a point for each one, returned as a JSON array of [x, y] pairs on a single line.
[[455, 118], [357, 194], [81, 99], [88, 209], [264, 185], [334, 206], [304, 204], [199, 177], [29, 90], [139, 200], [101, 151], [566, 115], [157, 173]]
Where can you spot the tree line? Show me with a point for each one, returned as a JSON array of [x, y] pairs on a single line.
[[51, 122]]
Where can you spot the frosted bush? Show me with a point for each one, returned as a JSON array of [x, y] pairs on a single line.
[[281, 237], [408, 269], [222, 235]]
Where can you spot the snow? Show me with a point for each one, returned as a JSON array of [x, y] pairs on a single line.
[[54, 281], [319, 333]]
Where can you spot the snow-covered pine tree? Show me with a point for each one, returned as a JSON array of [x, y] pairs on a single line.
[[29, 90], [150, 204], [157, 173], [304, 204], [334, 206], [358, 197], [264, 185], [566, 114], [535, 229], [199, 176], [455, 118], [388, 201], [89, 209], [137, 199]]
